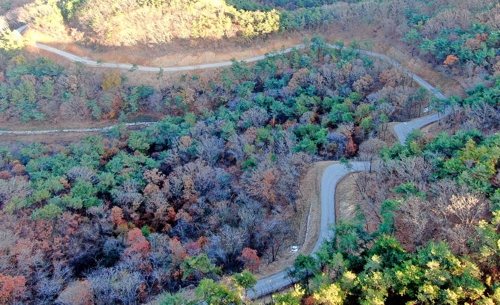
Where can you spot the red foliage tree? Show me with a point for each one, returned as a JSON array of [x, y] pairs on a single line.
[[309, 301], [11, 288], [193, 249], [138, 244], [177, 250], [250, 259]]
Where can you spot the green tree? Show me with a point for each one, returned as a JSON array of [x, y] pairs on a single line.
[[303, 269], [245, 280], [10, 43], [172, 299], [214, 293], [139, 141], [290, 298], [48, 212], [198, 267]]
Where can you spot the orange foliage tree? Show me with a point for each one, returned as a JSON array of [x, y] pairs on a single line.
[[450, 60], [138, 245], [117, 216], [138, 250]]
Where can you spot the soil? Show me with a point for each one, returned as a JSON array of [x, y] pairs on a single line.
[[47, 139], [346, 198], [390, 136]]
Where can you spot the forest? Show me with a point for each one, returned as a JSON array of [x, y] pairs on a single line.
[[188, 209], [256, 131]]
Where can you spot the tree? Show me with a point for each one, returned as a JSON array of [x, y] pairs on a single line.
[[330, 295], [77, 293], [214, 293], [177, 250], [12, 289], [139, 141], [117, 216], [364, 85], [368, 150], [250, 259], [112, 79], [10, 44], [303, 269], [464, 214], [116, 285], [290, 298], [450, 60], [172, 299], [245, 281], [138, 249], [198, 267], [276, 232], [391, 77]]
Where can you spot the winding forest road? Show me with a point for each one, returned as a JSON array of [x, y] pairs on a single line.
[[332, 175]]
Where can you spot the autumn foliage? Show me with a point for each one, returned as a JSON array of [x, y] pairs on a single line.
[[450, 60], [250, 259], [138, 245], [11, 288]]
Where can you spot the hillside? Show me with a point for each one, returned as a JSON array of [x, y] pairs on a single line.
[[209, 194]]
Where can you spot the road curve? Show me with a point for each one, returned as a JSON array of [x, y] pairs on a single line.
[[401, 130], [332, 175]]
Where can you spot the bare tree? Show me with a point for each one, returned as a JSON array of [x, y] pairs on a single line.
[[49, 284], [463, 214], [117, 284], [369, 149], [414, 220], [256, 117], [276, 233], [128, 195], [226, 246], [210, 148]]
